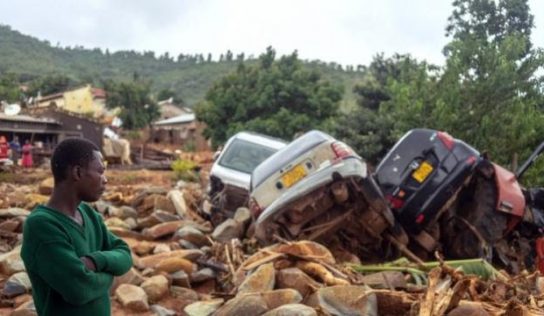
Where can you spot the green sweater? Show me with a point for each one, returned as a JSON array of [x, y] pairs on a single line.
[[61, 284]]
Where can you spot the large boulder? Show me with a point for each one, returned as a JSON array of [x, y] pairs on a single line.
[[345, 300], [132, 297], [229, 229], [11, 262], [292, 310], [155, 287], [243, 305], [203, 308], [17, 284], [294, 278], [263, 279]]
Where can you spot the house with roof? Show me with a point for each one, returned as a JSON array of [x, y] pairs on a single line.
[[84, 100], [183, 130]]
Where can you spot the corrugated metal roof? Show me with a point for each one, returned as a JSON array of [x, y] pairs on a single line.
[[26, 118], [180, 119]]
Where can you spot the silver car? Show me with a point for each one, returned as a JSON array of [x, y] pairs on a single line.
[[231, 172], [313, 187]]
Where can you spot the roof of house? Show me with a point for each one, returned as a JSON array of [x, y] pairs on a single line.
[[180, 119], [26, 118], [98, 93]]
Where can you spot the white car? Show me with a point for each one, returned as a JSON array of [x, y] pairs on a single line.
[[231, 172]]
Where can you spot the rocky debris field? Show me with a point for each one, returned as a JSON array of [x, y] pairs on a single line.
[[185, 266]]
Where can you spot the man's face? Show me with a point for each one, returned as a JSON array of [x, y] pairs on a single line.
[[93, 180]]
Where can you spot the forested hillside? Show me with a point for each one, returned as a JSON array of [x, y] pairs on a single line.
[[190, 76]]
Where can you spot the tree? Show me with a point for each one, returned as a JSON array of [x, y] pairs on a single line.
[[278, 98], [166, 94], [51, 84], [9, 88], [138, 109]]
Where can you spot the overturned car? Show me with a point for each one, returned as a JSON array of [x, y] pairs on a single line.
[[318, 188]]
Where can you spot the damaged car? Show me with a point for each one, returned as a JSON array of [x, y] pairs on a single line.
[[230, 174], [318, 188]]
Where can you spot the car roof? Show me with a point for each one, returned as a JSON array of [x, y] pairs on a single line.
[[287, 154], [257, 138]]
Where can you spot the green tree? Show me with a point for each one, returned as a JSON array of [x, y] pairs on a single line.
[[138, 109], [51, 84], [9, 88], [278, 98]]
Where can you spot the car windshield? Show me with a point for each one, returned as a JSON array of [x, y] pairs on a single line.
[[244, 156]]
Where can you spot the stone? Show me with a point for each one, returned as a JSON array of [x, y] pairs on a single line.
[[160, 248], [203, 275], [116, 222], [345, 300], [102, 207], [143, 248], [132, 297], [467, 308], [163, 229], [243, 305], [228, 230], [17, 284], [26, 309], [292, 310], [278, 298], [263, 279], [11, 262], [193, 235], [174, 264], [133, 277], [155, 287], [13, 212], [148, 204], [183, 293], [155, 218], [10, 225], [162, 311], [140, 196], [181, 278], [242, 215], [131, 222], [294, 278], [153, 260], [385, 280], [203, 308], [162, 203], [184, 244], [179, 203], [46, 186], [123, 212], [32, 200]]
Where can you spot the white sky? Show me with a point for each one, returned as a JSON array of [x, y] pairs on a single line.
[[343, 31]]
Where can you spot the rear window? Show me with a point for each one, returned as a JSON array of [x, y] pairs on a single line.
[[245, 156]]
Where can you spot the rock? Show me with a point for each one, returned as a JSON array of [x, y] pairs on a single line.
[[116, 222], [179, 202], [345, 300], [13, 212], [294, 278], [153, 260], [143, 248], [160, 248], [203, 275], [539, 284], [17, 284], [27, 309], [172, 265], [243, 305], [278, 298], [163, 229], [466, 308], [183, 294], [102, 207], [193, 235], [132, 297], [131, 222], [155, 218], [229, 229], [242, 215], [203, 308], [22, 299], [263, 279], [140, 196], [162, 203], [385, 280], [184, 244], [10, 225], [32, 200], [123, 212], [292, 310], [133, 277], [155, 287], [46, 186], [11, 262], [162, 311], [181, 278], [148, 204]]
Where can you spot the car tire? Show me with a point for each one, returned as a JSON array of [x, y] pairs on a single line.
[[478, 213]]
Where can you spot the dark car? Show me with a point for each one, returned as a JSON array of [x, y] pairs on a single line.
[[422, 172]]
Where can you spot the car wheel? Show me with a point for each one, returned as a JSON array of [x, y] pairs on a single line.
[[479, 224]]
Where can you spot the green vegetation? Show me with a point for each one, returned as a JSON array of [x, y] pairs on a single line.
[[184, 170]]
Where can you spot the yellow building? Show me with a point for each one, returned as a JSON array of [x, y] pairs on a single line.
[[84, 100]]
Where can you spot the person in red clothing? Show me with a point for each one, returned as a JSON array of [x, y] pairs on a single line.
[[27, 155], [4, 148]]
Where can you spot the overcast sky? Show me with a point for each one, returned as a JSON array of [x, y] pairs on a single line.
[[343, 31]]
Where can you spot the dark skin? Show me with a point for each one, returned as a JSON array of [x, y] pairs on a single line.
[[82, 183]]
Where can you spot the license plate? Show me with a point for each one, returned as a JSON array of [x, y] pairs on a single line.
[[422, 172], [293, 176]]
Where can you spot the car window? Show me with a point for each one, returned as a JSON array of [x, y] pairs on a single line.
[[244, 156]]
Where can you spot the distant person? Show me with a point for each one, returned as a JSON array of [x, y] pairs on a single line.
[[69, 254], [15, 147], [27, 154], [4, 148]]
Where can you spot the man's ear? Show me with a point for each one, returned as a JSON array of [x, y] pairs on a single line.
[[76, 172]]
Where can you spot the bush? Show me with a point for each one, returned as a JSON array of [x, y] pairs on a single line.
[[185, 170]]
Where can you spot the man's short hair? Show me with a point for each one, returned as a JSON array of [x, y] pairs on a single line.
[[69, 153]]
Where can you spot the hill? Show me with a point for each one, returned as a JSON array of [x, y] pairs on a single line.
[[189, 75]]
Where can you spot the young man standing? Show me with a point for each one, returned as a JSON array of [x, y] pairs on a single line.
[[68, 253]]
